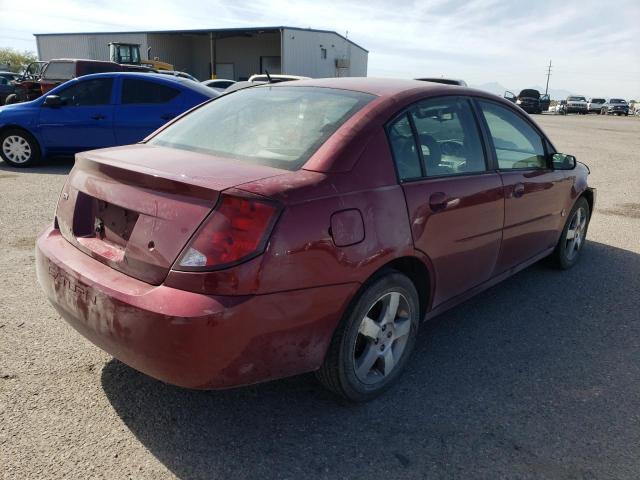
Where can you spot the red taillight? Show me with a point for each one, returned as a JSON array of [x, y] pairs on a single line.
[[237, 230]]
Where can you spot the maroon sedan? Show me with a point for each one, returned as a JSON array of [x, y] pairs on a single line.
[[307, 226]]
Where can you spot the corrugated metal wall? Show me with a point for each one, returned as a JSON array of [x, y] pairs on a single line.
[[94, 46], [302, 52]]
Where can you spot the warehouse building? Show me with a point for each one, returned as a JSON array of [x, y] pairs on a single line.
[[224, 53]]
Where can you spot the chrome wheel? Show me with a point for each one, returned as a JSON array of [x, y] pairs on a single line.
[[16, 149], [576, 233], [382, 338]]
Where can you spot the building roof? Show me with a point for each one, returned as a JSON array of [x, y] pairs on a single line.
[[209, 30]]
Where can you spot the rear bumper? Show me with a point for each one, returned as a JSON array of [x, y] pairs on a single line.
[[185, 338]]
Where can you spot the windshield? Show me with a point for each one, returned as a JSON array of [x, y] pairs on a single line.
[[576, 99], [617, 100], [274, 126], [597, 100]]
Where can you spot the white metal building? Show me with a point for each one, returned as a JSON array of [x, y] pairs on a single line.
[[235, 53]]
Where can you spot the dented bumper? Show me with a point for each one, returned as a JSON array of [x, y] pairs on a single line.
[[185, 338]]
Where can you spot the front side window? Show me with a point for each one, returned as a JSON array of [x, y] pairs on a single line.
[[267, 125], [516, 142], [87, 92], [448, 137], [142, 91]]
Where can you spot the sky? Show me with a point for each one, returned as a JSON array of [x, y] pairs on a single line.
[[594, 46]]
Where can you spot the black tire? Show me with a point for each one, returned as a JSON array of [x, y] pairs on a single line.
[[338, 372], [566, 255], [23, 138], [11, 98]]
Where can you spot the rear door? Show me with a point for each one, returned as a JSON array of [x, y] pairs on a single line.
[[535, 195], [144, 106], [85, 119], [455, 203]]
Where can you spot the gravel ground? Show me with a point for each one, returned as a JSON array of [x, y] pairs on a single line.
[[536, 378]]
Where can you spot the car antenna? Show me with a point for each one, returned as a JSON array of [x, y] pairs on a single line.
[[268, 76]]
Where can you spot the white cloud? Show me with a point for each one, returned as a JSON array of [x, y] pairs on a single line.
[[594, 45]]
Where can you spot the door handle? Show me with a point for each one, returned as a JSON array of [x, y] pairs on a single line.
[[168, 116], [98, 117], [518, 190], [440, 201]]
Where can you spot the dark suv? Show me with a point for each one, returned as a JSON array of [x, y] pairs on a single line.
[[615, 106], [529, 100]]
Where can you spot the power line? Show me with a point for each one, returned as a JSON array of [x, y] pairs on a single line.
[[546, 90]]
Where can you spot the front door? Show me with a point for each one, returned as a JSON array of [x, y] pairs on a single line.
[[84, 120], [534, 193], [455, 204]]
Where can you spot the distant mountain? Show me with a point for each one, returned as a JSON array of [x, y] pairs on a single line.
[[499, 89]]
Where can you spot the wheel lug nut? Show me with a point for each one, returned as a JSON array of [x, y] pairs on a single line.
[[376, 341], [389, 335], [382, 347], [384, 327]]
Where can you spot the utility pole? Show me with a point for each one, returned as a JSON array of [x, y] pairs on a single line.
[[546, 90]]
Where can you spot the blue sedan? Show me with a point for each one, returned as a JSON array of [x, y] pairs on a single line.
[[94, 111]]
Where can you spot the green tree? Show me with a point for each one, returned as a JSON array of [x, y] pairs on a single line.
[[15, 59]]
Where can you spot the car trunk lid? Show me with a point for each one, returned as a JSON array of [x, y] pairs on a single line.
[[134, 208]]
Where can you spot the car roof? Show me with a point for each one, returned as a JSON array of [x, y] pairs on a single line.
[[163, 78]]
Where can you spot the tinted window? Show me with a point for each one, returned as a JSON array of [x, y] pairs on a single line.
[[89, 68], [403, 146], [276, 126], [517, 144], [617, 100], [142, 91], [88, 92], [448, 137]]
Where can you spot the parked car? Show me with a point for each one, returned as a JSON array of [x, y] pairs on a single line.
[[94, 111], [529, 100], [219, 84], [178, 74], [576, 104], [9, 75], [615, 106], [444, 81], [312, 229], [261, 79], [26, 86], [595, 104], [6, 88]]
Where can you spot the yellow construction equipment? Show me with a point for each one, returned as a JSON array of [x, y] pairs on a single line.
[[129, 54]]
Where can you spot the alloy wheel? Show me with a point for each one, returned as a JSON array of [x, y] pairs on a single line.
[[16, 149], [576, 233], [382, 338]]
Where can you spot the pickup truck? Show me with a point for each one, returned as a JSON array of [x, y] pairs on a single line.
[[529, 100], [576, 104]]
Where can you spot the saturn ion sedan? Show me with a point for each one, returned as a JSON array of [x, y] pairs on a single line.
[[306, 226]]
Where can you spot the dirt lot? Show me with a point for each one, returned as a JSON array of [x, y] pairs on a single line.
[[538, 377]]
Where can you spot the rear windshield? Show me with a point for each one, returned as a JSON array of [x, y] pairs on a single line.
[[530, 93], [60, 71], [597, 100], [273, 126]]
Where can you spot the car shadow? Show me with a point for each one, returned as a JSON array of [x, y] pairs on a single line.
[[52, 165], [533, 378]]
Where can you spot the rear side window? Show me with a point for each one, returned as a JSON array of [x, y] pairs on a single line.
[[275, 126], [88, 92], [89, 68], [142, 91], [403, 147], [448, 137], [516, 142]]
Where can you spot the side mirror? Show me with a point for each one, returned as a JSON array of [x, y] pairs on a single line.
[[560, 161], [53, 101]]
